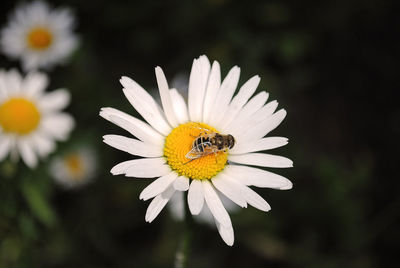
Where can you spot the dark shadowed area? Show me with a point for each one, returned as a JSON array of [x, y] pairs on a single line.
[[330, 64]]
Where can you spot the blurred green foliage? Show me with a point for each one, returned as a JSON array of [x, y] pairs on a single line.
[[331, 64]]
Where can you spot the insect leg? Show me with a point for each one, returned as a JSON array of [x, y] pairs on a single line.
[[190, 161], [215, 151]]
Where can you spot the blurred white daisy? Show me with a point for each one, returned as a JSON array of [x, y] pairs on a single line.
[[30, 119], [38, 36], [74, 169], [167, 137]]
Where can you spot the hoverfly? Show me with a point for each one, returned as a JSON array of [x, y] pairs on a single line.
[[209, 142]]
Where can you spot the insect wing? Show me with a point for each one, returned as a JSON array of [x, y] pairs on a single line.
[[193, 154], [209, 149], [205, 131]]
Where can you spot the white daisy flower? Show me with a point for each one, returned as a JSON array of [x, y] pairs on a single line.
[[74, 169], [31, 120], [38, 36], [166, 139]]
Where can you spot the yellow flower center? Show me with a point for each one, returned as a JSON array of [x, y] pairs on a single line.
[[74, 165], [180, 141], [39, 38], [19, 115]]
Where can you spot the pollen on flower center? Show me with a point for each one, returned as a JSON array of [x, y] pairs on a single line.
[[39, 38], [19, 115], [179, 142], [74, 165]]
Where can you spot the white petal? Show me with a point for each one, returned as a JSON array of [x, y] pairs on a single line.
[[206, 216], [32, 61], [144, 103], [266, 111], [259, 159], [27, 153], [62, 19], [3, 85], [43, 145], [58, 125], [254, 104], [181, 184], [205, 74], [14, 155], [239, 100], [158, 203], [257, 118], [136, 127], [55, 100], [180, 108], [35, 83], [133, 146], [158, 186], [194, 84], [224, 95], [258, 145], [255, 200], [197, 87], [37, 11], [213, 85], [5, 144], [166, 97], [269, 108], [121, 167], [13, 80], [215, 205], [205, 68], [148, 168], [142, 168], [263, 128], [245, 114], [195, 197], [226, 233], [229, 188], [257, 177], [251, 197]]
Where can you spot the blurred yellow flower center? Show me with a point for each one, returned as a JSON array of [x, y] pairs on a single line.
[[39, 38], [19, 115], [74, 165], [180, 141]]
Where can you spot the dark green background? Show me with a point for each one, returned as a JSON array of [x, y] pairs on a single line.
[[333, 65]]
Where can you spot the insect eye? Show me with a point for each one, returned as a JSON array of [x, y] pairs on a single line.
[[231, 141]]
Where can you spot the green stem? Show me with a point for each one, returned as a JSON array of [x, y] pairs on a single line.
[[183, 252]]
